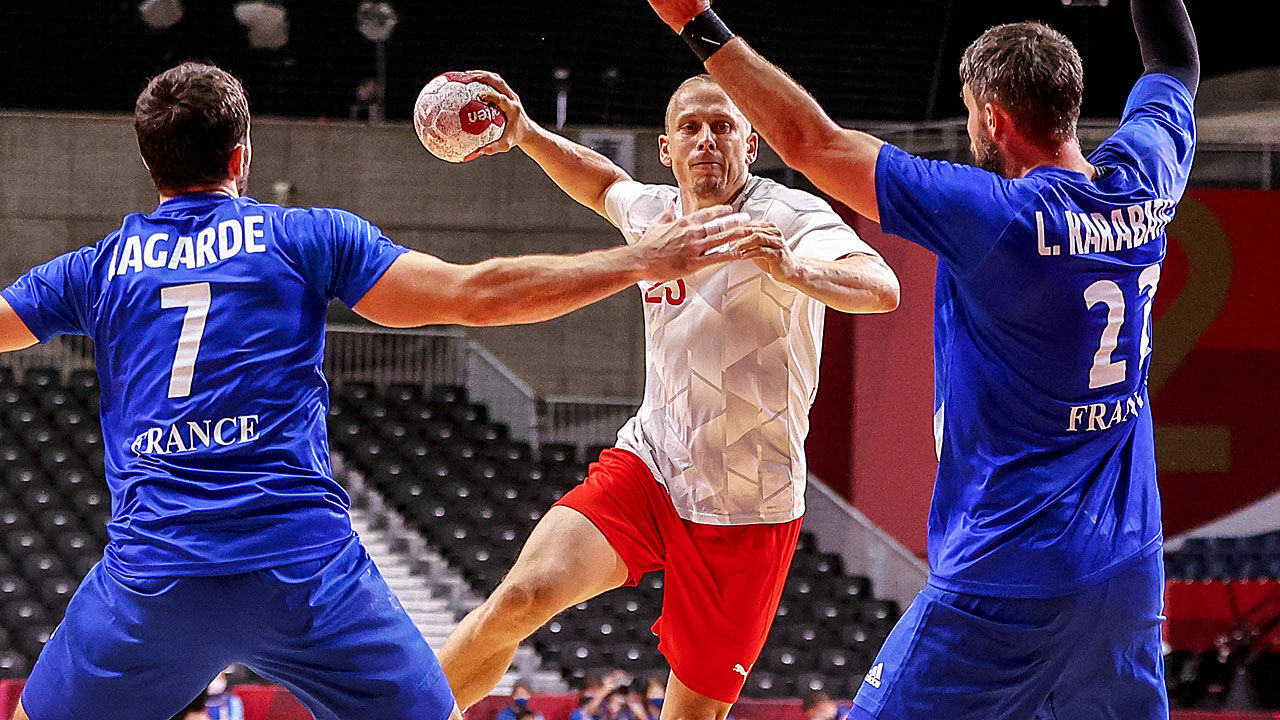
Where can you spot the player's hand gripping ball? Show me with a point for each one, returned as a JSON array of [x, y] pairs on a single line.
[[451, 119]]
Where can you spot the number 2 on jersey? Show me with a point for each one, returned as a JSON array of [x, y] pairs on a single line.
[[195, 298], [1105, 371], [664, 291]]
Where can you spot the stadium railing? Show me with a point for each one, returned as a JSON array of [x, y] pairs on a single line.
[[584, 421], [382, 356], [1247, 163]]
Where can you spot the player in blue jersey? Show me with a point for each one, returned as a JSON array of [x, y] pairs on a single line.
[[1045, 593], [229, 539]]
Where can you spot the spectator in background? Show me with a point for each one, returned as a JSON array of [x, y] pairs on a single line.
[[194, 709], [655, 690], [593, 694], [520, 694], [623, 704], [818, 705], [221, 704], [609, 699], [527, 714]]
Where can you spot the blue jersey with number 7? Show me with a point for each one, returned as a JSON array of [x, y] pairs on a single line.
[[208, 318], [1042, 342]]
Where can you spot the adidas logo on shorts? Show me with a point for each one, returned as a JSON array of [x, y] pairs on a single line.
[[873, 677]]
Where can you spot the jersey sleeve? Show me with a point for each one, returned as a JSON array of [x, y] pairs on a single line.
[[343, 253], [54, 299], [958, 212], [619, 199], [632, 206], [813, 230], [1157, 135]]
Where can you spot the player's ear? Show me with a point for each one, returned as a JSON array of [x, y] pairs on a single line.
[[753, 147], [238, 165], [998, 121], [664, 150]]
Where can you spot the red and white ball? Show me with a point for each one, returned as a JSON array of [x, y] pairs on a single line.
[[451, 119]]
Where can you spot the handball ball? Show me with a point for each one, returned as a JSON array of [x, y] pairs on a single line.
[[451, 119]]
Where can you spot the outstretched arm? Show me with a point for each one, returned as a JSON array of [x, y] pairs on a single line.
[[420, 289], [1167, 40], [584, 174], [841, 162], [14, 334]]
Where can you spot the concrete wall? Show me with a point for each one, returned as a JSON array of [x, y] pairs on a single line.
[[66, 180]]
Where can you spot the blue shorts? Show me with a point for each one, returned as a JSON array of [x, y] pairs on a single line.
[[330, 631], [1092, 655]]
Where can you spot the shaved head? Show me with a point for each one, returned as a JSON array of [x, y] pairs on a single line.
[[707, 142], [697, 82]]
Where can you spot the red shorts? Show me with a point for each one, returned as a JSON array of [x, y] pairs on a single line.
[[722, 583]]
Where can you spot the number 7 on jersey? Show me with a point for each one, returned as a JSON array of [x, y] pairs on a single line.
[[196, 299]]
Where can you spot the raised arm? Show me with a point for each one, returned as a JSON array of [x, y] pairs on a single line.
[[419, 289], [1167, 40], [14, 334], [584, 174], [841, 162]]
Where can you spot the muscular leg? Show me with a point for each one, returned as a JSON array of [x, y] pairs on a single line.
[[565, 560], [681, 703]]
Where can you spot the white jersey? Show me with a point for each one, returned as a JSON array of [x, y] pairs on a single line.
[[732, 362]]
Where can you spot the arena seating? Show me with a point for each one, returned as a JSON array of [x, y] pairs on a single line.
[[475, 494], [1225, 558], [54, 504], [452, 472]]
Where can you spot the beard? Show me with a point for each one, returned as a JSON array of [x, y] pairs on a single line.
[[987, 155], [709, 188]]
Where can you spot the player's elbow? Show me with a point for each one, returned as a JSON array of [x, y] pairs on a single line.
[[806, 148], [885, 291], [888, 297]]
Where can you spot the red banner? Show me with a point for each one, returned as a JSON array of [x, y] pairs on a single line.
[[1215, 374]]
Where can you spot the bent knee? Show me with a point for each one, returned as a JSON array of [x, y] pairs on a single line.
[[526, 602]]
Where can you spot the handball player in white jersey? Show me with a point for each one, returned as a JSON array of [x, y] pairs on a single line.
[[707, 480]]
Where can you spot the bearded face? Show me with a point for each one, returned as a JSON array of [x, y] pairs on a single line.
[[986, 154]]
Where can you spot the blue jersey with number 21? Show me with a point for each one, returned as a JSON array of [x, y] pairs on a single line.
[[207, 318], [1042, 342]]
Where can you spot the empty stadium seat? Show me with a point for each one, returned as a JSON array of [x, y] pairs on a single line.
[[12, 663], [475, 493], [53, 504], [765, 684], [559, 453], [634, 658], [83, 383], [37, 379], [448, 394], [838, 661], [22, 613], [783, 660]]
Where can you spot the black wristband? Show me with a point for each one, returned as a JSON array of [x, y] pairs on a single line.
[[706, 34]]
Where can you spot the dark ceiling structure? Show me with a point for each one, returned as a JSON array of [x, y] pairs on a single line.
[[882, 60]]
